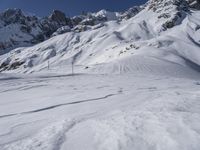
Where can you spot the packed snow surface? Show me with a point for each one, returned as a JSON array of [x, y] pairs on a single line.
[[102, 112]]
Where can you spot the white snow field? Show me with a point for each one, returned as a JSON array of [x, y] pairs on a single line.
[[136, 86], [102, 112]]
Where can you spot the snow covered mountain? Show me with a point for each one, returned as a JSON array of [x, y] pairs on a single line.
[[19, 29], [161, 33]]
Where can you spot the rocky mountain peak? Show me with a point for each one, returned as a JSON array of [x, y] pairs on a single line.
[[12, 12], [12, 16], [180, 4], [169, 12], [163, 5], [58, 16]]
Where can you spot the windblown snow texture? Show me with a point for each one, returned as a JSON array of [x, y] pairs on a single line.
[[135, 84]]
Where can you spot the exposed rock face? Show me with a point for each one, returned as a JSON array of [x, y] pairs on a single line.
[[172, 12], [12, 16], [131, 12], [158, 5], [18, 29], [58, 17]]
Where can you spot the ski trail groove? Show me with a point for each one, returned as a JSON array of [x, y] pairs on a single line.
[[60, 105]]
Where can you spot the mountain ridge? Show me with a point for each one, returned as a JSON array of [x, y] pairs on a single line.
[[18, 29]]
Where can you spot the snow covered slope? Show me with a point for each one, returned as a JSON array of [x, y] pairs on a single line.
[[99, 112], [164, 33]]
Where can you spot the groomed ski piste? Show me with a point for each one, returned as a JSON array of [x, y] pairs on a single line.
[[136, 86]]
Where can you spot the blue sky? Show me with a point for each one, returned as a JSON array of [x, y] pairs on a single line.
[[70, 7]]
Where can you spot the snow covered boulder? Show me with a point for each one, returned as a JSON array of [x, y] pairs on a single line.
[[62, 30]]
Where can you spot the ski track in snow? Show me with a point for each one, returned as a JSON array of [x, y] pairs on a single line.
[[60, 105], [145, 113]]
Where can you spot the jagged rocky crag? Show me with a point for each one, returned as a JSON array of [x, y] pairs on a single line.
[[18, 29]]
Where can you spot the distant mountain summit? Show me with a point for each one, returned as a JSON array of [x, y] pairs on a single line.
[[18, 29]]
